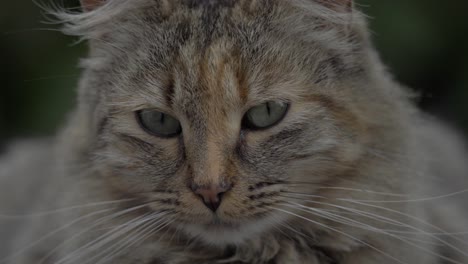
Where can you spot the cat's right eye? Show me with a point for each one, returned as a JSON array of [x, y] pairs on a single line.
[[158, 123]]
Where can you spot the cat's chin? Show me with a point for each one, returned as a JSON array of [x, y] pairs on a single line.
[[222, 234]]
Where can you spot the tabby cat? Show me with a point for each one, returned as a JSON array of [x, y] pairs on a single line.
[[235, 131]]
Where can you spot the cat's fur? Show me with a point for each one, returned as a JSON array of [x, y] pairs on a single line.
[[352, 140]]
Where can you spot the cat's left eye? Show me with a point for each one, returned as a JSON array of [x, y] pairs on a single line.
[[158, 123], [265, 115]]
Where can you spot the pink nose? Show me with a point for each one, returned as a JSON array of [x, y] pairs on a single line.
[[211, 195]]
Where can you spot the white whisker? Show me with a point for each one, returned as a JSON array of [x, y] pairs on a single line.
[[416, 219], [425, 199], [153, 228], [371, 228], [51, 234], [393, 222], [93, 225], [338, 231], [120, 213], [98, 242], [61, 210], [352, 189], [139, 228]]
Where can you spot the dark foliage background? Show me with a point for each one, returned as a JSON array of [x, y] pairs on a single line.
[[424, 43]]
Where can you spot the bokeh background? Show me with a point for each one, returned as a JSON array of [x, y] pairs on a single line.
[[423, 42]]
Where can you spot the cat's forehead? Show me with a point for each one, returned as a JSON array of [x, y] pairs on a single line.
[[212, 52], [216, 79], [228, 60]]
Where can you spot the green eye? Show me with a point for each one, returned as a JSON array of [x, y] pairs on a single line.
[[265, 115], [158, 123]]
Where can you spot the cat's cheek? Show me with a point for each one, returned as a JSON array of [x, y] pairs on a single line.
[[123, 180]]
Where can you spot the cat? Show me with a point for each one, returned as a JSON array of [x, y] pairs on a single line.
[[235, 131]]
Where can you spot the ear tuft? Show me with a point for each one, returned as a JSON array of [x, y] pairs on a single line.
[[89, 5]]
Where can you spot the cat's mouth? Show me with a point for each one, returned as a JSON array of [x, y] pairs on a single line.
[[218, 223], [218, 233], [223, 232]]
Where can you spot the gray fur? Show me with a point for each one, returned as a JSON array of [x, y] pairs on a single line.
[[351, 137]]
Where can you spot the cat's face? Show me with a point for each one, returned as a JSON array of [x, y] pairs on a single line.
[[214, 112]]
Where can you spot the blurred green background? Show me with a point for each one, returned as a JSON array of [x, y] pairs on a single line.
[[424, 43]]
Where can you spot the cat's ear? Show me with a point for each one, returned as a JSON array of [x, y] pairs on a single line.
[[342, 6], [89, 5]]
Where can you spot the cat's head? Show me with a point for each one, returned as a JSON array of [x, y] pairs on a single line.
[[218, 110]]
